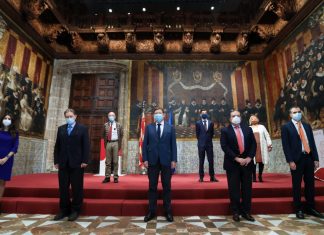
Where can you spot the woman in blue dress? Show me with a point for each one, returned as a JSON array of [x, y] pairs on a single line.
[[9, 140]]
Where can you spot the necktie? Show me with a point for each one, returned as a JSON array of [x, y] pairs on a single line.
[[239, 139], [69, 129], [159, 130], [109, 132], [303, 138], [205, 125]]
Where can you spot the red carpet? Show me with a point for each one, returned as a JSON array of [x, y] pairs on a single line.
[[38, 193]]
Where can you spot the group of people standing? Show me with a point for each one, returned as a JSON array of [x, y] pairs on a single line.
[[243, 146]]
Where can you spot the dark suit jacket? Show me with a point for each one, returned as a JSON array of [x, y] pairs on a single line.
[[292, 144], [164, 149], [73, 149], [204, 138], [230, 147]]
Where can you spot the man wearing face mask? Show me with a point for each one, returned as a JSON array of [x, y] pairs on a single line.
[[159, 155], [239, 146], [301, 154], [71, 156], [205, 134], [113, 136]]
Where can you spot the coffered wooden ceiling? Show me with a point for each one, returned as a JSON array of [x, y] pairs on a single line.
[[161, 29]]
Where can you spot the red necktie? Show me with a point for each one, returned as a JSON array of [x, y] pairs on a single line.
[[303, 138], [239, 139], [109, 133]]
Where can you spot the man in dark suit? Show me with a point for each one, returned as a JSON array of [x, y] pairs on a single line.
[[204, 134], [159, 155], [301, 154], [239, 146], [71, 155]]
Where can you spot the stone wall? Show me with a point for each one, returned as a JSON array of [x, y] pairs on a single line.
[[188, 157]]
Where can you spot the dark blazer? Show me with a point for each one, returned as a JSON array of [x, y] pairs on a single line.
[[230, 147], [205, 138], [73, 149], [164, 149], [292, 145]]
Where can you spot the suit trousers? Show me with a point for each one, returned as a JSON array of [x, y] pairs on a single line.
[[112, 157], [153, 175], [74, 177], [202, 150], [304, 168], [239, 180]]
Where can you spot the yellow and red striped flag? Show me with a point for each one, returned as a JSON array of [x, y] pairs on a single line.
[[141, 138]]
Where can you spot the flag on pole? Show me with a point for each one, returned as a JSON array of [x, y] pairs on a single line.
[[170, 121], [140, 142]]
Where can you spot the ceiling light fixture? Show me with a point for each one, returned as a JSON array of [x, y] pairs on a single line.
[[178, 8], [144, 9], [110, 10], [212, 8]]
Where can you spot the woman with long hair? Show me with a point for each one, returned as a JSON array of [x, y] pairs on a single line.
[[9, 141]]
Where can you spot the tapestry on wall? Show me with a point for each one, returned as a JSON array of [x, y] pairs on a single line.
[[24, 82], [184, 88], [295, 74]]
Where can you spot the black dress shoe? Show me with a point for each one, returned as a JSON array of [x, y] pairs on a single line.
[[236, 217], [213, 179], [315, 213], [169, 217], [300, 215], [73, 216], [60, 216], [260, 178], [106, 180], [248, 217], [116, 180], [201, 180], [149, 217], [254, 179]]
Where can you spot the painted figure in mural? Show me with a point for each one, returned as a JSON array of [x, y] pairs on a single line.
[[224, 110], [264, 146], [172, 106], [213, 110], [280, 110], [26, 111], [39, 116], [203, 105], [2, 90], [13, 106], [12, 79], [193, 112], [181, 115], [260, 111], [247, 112]]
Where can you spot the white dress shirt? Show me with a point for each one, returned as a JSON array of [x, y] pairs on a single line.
[[114, 134]]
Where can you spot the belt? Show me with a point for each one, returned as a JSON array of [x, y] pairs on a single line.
[[110, 141]]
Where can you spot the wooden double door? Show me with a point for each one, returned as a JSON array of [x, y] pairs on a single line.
[[92, 97]]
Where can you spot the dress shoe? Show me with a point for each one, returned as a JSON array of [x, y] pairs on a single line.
[[106, 180], [149, 217], [213, 179], [60, 216], [201, 180], [169, 217], [236, 217], [116, 180], [73, 216], [254, 179], [300, 215], [260, 178], [315, 213], [248, 217]]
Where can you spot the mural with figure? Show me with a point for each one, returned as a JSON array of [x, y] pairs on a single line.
[[24, 82], [295, 74], [184, 88]]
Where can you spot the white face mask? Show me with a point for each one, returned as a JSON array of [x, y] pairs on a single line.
[[6, 122], [236, 120]]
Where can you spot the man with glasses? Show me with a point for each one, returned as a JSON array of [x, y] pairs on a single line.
[[239, 146], [301, 154]]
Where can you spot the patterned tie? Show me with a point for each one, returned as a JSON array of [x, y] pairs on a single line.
[[205, 125], [239, 139], [69, 129], [109, 132], [303, 138], [159, 130]]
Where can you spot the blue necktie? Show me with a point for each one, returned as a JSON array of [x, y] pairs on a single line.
[[159, 130], [69, 129]]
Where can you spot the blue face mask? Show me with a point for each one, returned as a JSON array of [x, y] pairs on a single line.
[[158, 117], [70, 120], [204, 116], [111, 118], [297, 117]]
